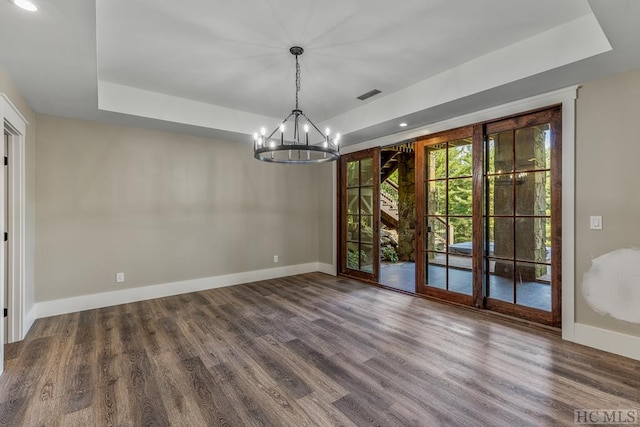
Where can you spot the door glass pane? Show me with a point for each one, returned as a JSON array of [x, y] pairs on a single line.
[[436, 271], [436, 159], [352, 200], [500, 195], [460, 280], [366, 200], [460, 200], [501, 237], [533, 239], [353, 255], [534, 285], [353, 228], [460, 158], [366, 258], [500, 152], [533, 148], [353, 173], [501, 276], [436, 197], [366, 228], [366, 172], [533, 193], [460, 235], [436, 234]]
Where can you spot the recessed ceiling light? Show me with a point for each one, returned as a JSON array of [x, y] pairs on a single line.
[[403, 124], [26, 5]]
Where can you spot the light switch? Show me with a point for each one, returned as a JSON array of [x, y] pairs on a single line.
[[596, 223]]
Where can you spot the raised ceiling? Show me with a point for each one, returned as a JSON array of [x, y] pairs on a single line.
[[223, 68], [236, 54]]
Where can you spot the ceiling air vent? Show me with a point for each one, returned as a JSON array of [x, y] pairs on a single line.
[[368, 94]]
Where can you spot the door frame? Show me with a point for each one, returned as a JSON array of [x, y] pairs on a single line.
[[14, 123]]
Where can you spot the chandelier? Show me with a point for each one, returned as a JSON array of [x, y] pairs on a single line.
[[291, 143]]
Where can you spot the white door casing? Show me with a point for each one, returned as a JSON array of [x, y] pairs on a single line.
[[15, 125]]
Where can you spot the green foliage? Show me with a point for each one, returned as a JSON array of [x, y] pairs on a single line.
[[458, 167], [394, 177], [389, 191], [389, 254], [352, 260]]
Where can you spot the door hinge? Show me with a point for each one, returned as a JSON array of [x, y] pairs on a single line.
[[6, 236], [6, 161], [6, 312]]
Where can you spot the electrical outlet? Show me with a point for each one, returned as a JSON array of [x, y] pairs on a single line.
[[119, 277], [275, 258], [596, 222]]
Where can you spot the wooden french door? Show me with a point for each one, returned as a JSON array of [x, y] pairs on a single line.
[[447, 208], [522, 218], [488, 216], [360, 214]]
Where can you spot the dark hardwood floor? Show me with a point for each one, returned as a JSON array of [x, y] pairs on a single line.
[[304, 350]]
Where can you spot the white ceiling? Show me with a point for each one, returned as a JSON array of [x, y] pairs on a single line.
[[236, 54], [223, 69]]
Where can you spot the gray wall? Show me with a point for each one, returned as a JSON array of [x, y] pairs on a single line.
[[8, 88], [162, 207], [326, 211], [607, 182]]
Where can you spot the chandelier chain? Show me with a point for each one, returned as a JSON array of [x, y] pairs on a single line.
[[297, 80]]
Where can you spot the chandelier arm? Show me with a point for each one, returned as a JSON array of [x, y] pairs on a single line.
[[313, 124], [278, 127]]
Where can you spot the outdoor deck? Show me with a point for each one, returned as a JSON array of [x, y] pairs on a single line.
[[402, 276]]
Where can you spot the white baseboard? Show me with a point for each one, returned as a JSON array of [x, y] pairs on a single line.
[[327, 269], [610, 341], [28, 321], [124, 296]]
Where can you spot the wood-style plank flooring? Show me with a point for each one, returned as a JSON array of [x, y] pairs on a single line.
[[304, 350]]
